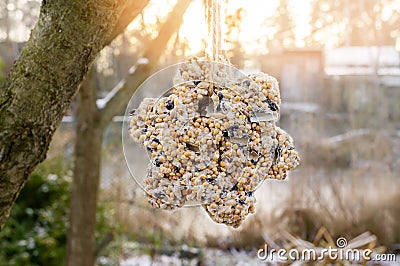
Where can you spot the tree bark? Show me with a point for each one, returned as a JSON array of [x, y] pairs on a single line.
[[91, 123], [42, 82]]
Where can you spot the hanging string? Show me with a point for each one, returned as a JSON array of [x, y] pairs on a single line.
[[213, 45], [213, 17], [216, 33]]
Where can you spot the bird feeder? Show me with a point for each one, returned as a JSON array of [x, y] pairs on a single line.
[[208, 135]]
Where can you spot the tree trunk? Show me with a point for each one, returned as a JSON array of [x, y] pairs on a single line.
[[82, 215], [91, 124], [42, 82]]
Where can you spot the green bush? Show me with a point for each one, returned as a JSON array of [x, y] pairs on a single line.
[[35, 233]]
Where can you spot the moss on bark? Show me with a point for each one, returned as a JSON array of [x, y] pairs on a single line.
[[42, 82]]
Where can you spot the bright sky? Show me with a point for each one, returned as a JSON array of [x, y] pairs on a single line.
[[194, 27], [253, 35]]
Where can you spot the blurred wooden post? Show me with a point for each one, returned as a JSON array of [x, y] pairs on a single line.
[[82, 215]]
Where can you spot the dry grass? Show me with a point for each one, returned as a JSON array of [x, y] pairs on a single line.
[[347, 203]]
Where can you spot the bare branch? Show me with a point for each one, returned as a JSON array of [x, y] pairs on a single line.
[[132, 9], [128, 86]]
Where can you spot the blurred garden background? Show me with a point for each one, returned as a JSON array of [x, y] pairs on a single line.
[[338, 64]]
